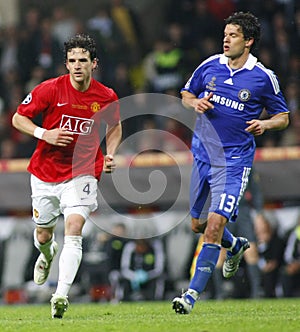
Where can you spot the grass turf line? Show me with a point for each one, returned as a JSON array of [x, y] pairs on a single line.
[[279, 315]]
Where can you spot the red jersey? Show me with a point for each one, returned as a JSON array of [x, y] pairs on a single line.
[[62, 106]]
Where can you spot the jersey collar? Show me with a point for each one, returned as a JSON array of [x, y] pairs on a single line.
[[250, 63]]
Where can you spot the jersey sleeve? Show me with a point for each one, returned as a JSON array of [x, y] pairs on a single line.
[[194, 84], [273, 97], [36, 101]]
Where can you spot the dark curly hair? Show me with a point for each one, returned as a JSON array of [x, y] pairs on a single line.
[[81, 41], [249, 24]]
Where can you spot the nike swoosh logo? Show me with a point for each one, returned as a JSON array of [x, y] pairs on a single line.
[[61, 104]]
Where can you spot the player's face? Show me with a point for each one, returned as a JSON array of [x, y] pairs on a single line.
[[80, 67], [234, 44]]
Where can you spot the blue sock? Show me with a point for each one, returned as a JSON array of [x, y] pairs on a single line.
[[228, 240], [205, 266], [236, 247]]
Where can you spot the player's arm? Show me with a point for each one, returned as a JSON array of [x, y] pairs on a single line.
[[57, 136], [200, 105], [277, 122], [113, 139]]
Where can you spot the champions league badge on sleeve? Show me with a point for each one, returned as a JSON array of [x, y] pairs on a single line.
[[27, 99]]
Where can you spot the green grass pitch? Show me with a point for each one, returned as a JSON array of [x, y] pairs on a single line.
[[280, 315]]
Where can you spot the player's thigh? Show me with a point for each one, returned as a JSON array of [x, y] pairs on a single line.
[[45, 204], [199, 190], [79, 196], [227, 187]]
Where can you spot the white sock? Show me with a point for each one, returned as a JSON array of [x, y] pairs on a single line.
[[69, 261], [194, 294], [46, 249]]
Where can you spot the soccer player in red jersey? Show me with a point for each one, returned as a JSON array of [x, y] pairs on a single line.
[[67, 162]]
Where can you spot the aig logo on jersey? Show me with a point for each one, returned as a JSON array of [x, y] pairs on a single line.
[[80, 126]]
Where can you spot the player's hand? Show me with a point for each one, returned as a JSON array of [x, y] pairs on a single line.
[[58, 137], [203, 104], [256, 127], [109, 164]]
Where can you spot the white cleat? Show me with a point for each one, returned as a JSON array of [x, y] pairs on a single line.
[[182, 305], [42, 267], [59, 305], [232, 262]]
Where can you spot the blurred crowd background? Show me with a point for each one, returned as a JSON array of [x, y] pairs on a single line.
[[143, 47]]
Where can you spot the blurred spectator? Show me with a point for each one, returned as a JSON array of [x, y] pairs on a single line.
[[12, 90], [295, 35], [121, 80], [29, 33], [5, 128], [282, 42], [9, 49], [142, 269], [179, 11], [8, 149], [175, 136], [221, 9], [204, 23], [266, 56], [270, 249], [179, 37], [48, 48], [111, 43], [25, 146], [38, 74], [114, 249], [149, 139], [292, 136], [128, 24], [291, 267], [189, 32], [64, 23], [162, 66]]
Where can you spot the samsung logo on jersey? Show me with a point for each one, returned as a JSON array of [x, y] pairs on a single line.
[[80, 126], [227, 102]]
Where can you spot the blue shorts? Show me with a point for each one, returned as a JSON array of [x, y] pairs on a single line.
[[216, 189]]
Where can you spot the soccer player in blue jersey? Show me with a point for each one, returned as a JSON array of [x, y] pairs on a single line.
[[228, 92]]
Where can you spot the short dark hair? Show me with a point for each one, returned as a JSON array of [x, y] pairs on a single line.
[[249, 24], [81, 41]]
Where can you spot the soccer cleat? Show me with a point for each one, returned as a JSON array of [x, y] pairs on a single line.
[[59, 305], [232, 262], [42, 267], [182, 305]]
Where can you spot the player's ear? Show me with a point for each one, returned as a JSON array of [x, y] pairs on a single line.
[[95, 64], [249, 42]]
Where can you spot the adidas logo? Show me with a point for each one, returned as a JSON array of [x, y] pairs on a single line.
[[205, 269]]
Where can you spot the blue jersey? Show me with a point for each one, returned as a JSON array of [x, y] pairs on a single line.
[[238, 96]]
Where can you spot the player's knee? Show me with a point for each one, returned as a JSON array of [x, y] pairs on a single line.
[[74, 224], [215, 228], [44, 235]]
